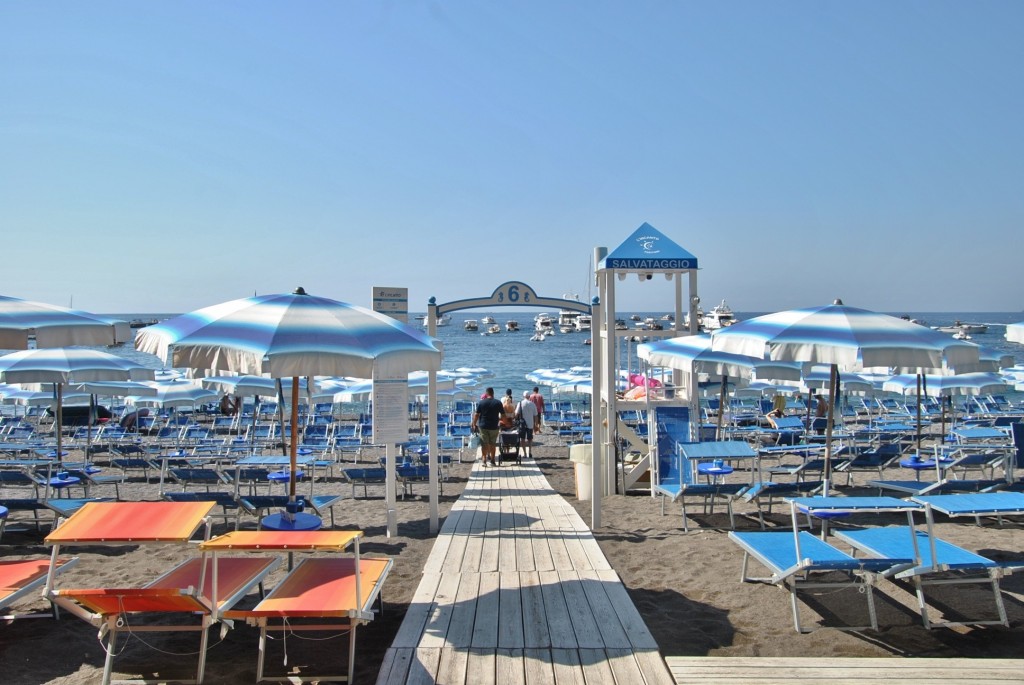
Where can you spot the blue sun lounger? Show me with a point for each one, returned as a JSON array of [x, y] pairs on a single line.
[[676, 479], [797, 561], [937, 562], [765, 494], [976, 504]]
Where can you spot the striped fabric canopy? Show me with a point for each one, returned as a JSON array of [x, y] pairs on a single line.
[[694, 353], [936, 385], [179, 393], [54, 326], [247, 385], [69, 364], [290, 335], [848, 337], [1015, 332]]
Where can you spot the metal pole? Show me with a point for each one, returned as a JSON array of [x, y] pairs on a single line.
[[599, 429]]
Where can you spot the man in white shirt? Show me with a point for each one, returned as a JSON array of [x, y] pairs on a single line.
[[526, 419]]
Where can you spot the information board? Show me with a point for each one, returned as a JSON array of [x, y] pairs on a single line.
[[390, 410], [392, 301]]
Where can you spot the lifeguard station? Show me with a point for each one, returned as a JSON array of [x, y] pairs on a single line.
[[649, 256]]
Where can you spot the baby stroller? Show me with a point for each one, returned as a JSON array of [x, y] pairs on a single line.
[[508, 445]]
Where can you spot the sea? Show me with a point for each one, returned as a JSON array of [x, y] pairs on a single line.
[[509, 357]]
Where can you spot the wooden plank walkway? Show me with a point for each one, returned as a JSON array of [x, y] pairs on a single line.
[[517, 590], [843, 671]]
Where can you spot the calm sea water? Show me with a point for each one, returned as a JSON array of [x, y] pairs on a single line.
[[510, 356]]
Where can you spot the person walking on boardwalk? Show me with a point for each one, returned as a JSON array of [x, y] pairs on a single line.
[[526, 419], [538, 401], [486, 420]]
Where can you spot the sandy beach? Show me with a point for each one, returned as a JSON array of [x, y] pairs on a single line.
[[685, 585]]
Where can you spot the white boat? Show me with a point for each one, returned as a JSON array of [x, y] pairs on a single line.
[[583, 323], [962, 335], [537, 337], [965, 327], [567, 317], [486, 320], [442, 320], [493, 328], [471, 325], [720, 316], [649, 324], [543, 323], [511, 325]]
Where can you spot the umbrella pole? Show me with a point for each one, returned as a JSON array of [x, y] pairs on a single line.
[[280, 412], [721, 406], [294, 443], [833, 382], [919, 416], [60, 422], [88, 427]]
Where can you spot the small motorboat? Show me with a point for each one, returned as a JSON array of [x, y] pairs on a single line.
[[537, 337], [493, 328], [471, 325], [512, 326]]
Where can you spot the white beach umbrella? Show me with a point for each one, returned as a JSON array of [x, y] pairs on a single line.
[[47, 325], [1015, 332], [292, 335], [847, 339], [64, 365]]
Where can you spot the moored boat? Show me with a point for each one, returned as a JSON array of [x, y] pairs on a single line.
[[965, 327], [471, 325], [511, 325], [720, 316]]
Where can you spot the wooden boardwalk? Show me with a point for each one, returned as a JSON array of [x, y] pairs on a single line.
[[713, 670], [517, 590]]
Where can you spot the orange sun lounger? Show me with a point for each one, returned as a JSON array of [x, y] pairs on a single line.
[[195, 587], [186, 589], [339, 591], [20, 578]]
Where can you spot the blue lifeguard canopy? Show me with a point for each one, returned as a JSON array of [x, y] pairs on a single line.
[[647, 249]]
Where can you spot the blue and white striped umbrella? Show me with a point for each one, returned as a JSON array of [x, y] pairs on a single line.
[[290, 335], [248, 385], [65, 365], [694, 353], [848, 339], [1015, 332], [53, 326], [69, 364], [179, 393], [937, 385]]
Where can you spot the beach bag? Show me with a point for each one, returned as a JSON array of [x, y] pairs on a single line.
[[521, 424], [474, 441]]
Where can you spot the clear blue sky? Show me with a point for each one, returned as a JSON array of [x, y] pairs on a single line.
[[164, 156]]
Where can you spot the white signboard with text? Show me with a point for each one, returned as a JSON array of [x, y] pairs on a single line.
[[390, 410], [393, 302]]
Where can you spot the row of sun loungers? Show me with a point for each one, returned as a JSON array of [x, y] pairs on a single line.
[[222, 585], [797, 560]]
